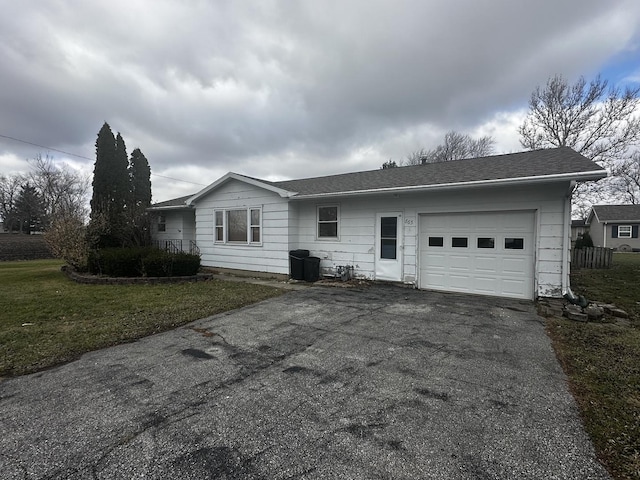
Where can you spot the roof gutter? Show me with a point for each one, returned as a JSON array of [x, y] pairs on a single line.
[[582, 176], [170, 207]]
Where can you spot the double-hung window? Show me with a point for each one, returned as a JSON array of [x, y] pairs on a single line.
[[624, 231], [238, 225], [328, 221]]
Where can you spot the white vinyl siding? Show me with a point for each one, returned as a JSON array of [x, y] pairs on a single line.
[[356, 246], [289, 224], [178, 225], [271, 234]]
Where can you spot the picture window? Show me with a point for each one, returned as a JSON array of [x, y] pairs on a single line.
[[238, 225]]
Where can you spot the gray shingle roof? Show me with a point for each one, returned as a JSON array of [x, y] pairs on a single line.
[[534, 163], [531, 164], [174, 202], [617, 213]]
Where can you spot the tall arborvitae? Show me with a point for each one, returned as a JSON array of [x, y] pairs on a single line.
[[122, 184], [103, 193], [140, 175], [140, 199], [111, 191]]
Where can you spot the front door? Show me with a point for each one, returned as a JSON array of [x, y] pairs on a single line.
[[389, 246]]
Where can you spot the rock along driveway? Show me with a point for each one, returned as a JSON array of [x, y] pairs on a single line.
[[378, 383]]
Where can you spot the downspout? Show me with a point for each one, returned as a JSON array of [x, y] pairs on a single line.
[[566, 239], [604, 235]]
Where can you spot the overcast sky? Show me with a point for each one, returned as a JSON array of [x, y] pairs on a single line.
[[288, 89]]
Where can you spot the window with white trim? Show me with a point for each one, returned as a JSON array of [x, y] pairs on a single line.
[[238, 225], [162, 223], [328, 221], [624, 231]]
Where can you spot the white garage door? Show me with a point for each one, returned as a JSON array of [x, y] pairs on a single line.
[[484, 253]]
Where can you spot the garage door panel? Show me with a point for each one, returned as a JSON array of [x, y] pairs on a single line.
[[459, 262], [487, 266], [436, 261], [514, 266], [434, 278], [513, 287], [459, 283], [486, 285]]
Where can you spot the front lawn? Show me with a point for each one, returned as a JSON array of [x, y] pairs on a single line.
[[48, 319], [602, 361]]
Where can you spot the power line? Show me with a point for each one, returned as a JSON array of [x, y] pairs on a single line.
[[87, 158], [42, 146]]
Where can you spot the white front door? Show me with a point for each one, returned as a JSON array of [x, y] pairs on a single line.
[[389, 246]]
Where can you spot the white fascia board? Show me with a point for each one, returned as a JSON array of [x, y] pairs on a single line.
[[582, 176], [240, 178]]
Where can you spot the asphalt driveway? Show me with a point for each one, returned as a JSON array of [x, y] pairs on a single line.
[[377, 383]]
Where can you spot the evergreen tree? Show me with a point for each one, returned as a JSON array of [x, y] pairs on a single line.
[[102, 172], [122, 183], [30, 210], [140, 175], [111, 191], [140, 198]]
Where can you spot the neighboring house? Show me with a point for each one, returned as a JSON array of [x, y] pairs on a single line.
[[578, 228], [615, 226], [496, 225]]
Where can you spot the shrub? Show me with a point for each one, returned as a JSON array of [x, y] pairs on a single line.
[[185, 264], [67, 240], [142, 261], [118, 262], [584, 241], [157, 263]]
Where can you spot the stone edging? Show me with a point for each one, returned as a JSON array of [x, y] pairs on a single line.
[[96, 280]]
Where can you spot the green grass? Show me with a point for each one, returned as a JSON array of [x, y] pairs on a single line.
[[602, 361], [48, 319]]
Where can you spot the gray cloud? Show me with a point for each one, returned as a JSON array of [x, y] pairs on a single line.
[[284, 88]]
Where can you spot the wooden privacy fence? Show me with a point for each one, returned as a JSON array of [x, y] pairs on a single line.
[[592, 257]]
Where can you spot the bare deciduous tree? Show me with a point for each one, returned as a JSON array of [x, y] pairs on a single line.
[[456, 146], [63, 190], [626, 175], [10, 187], [595, 120]]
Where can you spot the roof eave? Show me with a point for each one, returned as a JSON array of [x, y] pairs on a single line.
[[241, 178], [575, 176], [626, 220], [170, 207]]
